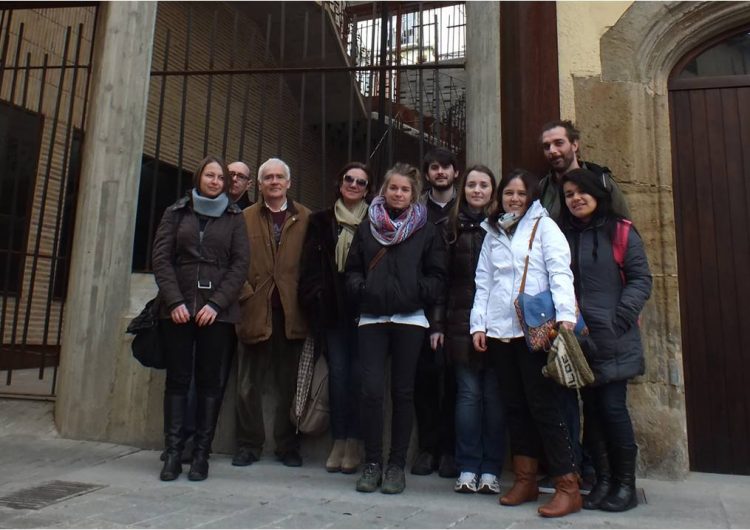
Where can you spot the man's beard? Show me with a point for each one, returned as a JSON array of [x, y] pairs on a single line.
[[441, 187]]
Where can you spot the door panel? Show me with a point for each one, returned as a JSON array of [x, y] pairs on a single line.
[[711, 165]]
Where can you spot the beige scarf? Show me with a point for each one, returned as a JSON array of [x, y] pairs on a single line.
[[349, 221]]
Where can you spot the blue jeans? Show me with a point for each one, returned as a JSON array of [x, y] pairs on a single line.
[[343, 381], [480, 420]]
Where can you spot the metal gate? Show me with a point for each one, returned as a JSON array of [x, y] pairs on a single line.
[[44, 76], [317, 84]]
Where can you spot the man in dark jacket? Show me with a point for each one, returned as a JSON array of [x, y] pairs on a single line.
[[241, 184], [435, 382], [560, 142]]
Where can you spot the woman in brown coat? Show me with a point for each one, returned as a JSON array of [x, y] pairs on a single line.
[[200, 259]]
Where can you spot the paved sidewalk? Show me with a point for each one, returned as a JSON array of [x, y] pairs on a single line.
[[270, 495]]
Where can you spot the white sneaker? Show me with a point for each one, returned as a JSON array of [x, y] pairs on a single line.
[[488, 484], [466, 483]]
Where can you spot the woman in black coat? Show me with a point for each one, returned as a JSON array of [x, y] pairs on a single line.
[[396, 272], [480, 415], [200, 259], [612, 283], [322, 296]]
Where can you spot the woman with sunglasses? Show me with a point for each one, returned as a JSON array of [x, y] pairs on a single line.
[[322, 296]]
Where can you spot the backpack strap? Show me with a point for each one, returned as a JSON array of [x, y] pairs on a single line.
[[620, 245]]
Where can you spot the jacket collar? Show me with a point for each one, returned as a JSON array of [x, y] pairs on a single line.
[[535, 211], [291, 207]]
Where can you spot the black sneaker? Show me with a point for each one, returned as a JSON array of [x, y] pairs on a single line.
[[394, 480], [244, 457], [448, 467], [372, 476], [424, 464], [291, 458]]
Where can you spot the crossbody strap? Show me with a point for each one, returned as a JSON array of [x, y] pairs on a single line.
[[376, 258], [526, 265]]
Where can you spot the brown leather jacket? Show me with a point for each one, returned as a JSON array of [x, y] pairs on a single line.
[[272, 266], [196, 272]]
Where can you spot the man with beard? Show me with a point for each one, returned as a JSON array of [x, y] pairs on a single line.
[[435, 381], [560, 141]]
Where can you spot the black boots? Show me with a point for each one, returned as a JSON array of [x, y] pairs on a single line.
[[600, 458], [174, 416], [622, 495], [207, 416]]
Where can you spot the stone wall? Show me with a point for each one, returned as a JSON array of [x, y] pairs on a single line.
[[623, 114]]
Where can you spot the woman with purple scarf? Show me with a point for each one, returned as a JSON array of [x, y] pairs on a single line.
[[395, 272]]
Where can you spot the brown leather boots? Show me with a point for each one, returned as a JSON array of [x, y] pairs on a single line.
[[524, 488], [567, 498]]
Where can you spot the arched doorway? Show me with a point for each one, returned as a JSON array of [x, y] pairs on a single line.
[[709, 102]]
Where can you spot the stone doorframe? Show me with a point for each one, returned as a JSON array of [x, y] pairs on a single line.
[[624, 116]]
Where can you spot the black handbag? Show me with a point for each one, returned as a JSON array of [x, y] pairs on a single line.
[[147, 345]]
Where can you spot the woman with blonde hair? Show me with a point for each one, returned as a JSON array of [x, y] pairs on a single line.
[[395, 272]]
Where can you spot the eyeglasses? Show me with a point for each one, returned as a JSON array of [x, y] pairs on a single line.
[[352, 180], [235, 174]]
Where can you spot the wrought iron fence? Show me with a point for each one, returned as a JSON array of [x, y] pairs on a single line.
[[296, 80], [44, 72]]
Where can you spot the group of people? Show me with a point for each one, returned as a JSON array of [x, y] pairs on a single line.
[[425, 280]]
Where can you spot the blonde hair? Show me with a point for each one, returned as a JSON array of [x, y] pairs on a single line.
[[411, 173]]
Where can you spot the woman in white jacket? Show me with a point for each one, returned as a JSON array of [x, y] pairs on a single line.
[[535, 418]]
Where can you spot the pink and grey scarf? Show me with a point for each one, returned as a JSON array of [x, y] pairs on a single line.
[[389, 232]]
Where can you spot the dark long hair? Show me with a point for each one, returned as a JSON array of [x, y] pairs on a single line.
[[344, 170], [452, 229], [531, 184], [590, 183], [202, 165]]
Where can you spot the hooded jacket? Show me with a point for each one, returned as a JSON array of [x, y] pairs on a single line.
[[500, 269], [609, 306]]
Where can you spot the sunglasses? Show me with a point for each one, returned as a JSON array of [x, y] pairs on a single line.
[[352, 180]]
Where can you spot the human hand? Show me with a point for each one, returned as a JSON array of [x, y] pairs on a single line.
[[180, 314], [479, 338], [436, 340], [205, 316], [570, 326]]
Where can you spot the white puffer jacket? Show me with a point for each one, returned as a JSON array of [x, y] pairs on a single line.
[[500, 269]]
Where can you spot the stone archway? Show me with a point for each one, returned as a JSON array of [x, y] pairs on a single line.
[[625, 114]]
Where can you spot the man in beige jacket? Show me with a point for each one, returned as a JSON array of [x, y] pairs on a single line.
[[272, 328]]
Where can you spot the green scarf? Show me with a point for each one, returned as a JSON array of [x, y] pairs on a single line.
[[349, 221]]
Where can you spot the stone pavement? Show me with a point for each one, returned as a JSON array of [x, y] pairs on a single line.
[[270, 495]]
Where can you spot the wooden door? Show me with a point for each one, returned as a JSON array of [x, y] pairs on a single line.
[[711, 173]]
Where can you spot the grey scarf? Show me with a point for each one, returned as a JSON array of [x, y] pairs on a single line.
[[209, 207]]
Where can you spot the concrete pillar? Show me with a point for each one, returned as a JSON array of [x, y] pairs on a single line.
[[99, 288], [483, 128]]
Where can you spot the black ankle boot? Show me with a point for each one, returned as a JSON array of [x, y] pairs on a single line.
[[174, 416], [600, 458], [207, 414], [622, 496]]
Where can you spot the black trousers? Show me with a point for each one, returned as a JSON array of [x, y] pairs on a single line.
[[605, 408], [376, 342], [197, 352], [535, 416], [435, 402]]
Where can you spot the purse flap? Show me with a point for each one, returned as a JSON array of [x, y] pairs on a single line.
[[537, 309]]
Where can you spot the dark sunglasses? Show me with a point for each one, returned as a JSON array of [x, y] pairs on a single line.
[[362, 183]]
